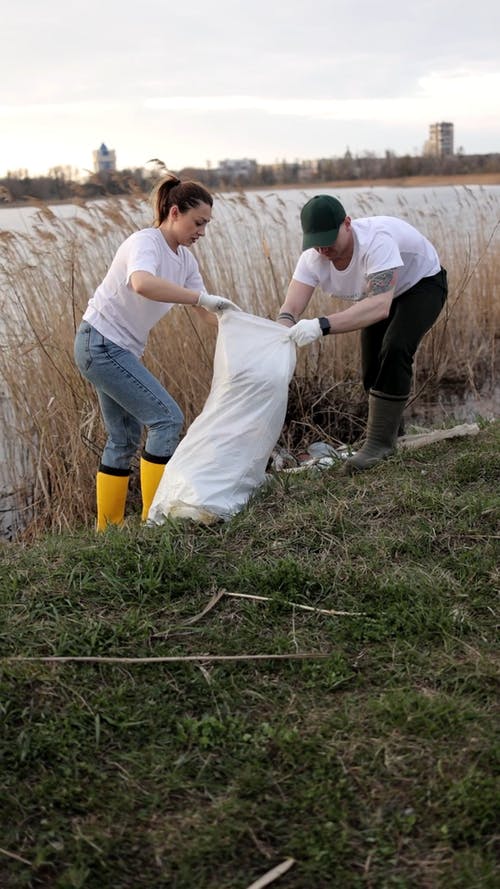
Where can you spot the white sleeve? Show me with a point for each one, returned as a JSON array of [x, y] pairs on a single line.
[[143, 255], [303, 271], [383, 254]]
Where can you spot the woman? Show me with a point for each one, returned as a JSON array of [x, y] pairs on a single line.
[[152, 270]]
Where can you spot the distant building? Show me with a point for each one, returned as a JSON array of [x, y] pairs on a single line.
[[233, 170], [308, 170], [440, 141], [104, 160]]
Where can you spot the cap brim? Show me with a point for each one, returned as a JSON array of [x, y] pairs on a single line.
[[319, 239]]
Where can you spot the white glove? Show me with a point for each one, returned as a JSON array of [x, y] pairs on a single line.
[[215, 303], [305, 332]]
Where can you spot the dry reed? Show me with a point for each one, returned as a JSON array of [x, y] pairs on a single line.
[[52, 432]]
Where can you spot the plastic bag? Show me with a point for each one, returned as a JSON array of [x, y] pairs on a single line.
[[223, 457]]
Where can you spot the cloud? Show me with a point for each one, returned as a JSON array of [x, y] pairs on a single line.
[[441, 94], [57, 109]]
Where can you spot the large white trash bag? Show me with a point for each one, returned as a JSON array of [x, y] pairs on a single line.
[[224, 454]]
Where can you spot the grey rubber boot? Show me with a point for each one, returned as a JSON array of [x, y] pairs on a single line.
[[384, 416]]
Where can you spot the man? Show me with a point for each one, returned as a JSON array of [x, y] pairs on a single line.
[[393, 277]]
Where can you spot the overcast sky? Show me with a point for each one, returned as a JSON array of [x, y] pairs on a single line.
[[197, 82]]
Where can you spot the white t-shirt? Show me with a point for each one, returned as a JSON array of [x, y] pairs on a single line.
[[380, 243], [124, 316]]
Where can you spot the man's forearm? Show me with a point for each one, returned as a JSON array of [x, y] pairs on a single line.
[[296, 300], [362, 314]]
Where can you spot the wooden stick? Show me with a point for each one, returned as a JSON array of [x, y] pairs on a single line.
[[273, 874], [55, 659], [213, 601], [296, 605], [192, 620], [425, 438], [222, 592], [16, 857]]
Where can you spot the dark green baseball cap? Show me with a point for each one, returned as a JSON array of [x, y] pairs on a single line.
[[321, 219]]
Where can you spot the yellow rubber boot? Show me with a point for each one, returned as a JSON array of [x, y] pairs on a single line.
[[111, 491], [151, 472]]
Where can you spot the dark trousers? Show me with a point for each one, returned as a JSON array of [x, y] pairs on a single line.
[[388, 347]]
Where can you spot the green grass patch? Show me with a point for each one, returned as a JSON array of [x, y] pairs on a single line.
[[375, 766]]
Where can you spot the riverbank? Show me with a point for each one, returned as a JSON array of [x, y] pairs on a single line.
[[312, 682], [249, 255], [465, 179], [420, 181]]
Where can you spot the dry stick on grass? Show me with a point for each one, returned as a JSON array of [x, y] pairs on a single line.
[[174, 659], [16, 857], [190, 620], [273, 874], [425, 438], [222, 592], [213, 601], [296, 605]]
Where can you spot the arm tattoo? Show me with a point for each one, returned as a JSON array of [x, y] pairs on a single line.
[[381, 282]]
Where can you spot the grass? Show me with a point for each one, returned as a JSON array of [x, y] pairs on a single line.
[[372, 766]]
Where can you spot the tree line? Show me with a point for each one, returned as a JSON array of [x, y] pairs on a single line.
[[64, 183]]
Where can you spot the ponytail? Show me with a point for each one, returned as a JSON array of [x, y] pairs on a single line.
[[170, 192]]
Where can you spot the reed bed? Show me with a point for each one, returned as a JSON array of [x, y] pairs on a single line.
[[52, 433]]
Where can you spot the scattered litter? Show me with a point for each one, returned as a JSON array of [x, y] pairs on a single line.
[[319, 454], [323, 449], [282, 459]]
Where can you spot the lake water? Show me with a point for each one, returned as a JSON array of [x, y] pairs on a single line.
[[416, 203]]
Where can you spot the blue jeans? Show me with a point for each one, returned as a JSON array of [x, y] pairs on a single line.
[[130, 398]]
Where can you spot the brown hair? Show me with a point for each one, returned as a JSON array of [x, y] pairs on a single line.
[[170, 192]]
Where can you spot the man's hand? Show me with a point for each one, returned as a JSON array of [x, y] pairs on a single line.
[[305, 332], [213, 303]]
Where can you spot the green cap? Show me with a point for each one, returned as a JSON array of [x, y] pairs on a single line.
[[321, 219]]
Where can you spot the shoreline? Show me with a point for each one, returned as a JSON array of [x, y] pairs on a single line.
[[471, 179]]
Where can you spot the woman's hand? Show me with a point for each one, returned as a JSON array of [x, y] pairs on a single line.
[[213, 303]]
